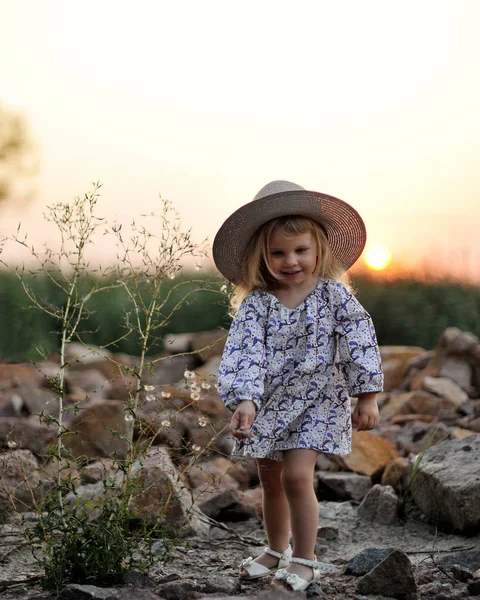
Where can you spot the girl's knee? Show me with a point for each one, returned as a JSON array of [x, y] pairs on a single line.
[[294, 480]]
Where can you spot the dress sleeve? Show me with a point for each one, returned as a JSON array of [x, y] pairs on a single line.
[[358, 350], [241, 373]]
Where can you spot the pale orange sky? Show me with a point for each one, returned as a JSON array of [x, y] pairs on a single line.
[[375, 102]]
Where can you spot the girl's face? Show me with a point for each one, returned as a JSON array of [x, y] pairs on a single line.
[[293, 258]]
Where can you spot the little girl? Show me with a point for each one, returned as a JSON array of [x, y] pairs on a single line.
[[300, 345]]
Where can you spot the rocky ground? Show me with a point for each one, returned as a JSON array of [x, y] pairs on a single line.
[[425, 455], [208, 568]]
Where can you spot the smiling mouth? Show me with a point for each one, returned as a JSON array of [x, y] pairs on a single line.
[[291, 272]]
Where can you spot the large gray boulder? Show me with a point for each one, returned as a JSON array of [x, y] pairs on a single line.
[[447, 485]]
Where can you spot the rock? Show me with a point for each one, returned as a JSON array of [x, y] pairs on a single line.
[[170, 369], [458, 433], [366, 560], [392, 577], [474, 425], [210, 403], [473, 588], [97, 471], [342, 486], [416, 402], [380, 505], [251, 503], [462, 574], [20, 482], [92, 431], [209, 344], [177, 343], [208, 472], [396, 474], [428, 435], [27, 433], [163, 495], [133, 593], [276, 593], [164, 427], [122, 387], [77, 352], [38, 400], [11, 404], [14, 374], [205, 344], [92, 381], [181, 589], [466, 559], [395, 360], [446, 389], [457, 370], [447, 485], [453, 358], [370, 454], [215, 490], [75, 591], [404, 419], [325, 463], [214, 502], [327, 532]]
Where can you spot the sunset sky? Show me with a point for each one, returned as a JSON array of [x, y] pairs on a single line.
[[373, 101]]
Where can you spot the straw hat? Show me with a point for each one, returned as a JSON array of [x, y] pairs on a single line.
[[343, 225]]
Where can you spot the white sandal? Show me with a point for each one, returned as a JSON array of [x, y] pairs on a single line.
[[296, 583], [256, 570]]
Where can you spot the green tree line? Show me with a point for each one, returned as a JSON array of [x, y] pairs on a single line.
[[405, 312]]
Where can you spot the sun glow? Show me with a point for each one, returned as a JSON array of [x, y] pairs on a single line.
[[377, 257]]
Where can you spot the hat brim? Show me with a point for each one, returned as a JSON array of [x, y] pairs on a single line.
[[344, 227]]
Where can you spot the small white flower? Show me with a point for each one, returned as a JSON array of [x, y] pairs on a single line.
[[195, 387], [206, 385], [128, 417], [172, 276], [202, 422], [165, 423], [223, 288], [150, 398], [11, 444], [149, 388], [166, 395], [197, 267], [195, 396], [196, 448], [189, 374]]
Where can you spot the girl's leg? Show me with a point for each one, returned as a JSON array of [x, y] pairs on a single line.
[[275, 510], [297, 478]]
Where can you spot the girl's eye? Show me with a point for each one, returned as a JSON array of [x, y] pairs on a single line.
[[276, 253], [300, 250]]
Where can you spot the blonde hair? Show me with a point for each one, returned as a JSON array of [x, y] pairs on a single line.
[[256, 271]]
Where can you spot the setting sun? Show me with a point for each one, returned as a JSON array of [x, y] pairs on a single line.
[[377, 257]]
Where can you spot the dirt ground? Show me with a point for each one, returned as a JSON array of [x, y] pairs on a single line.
[[217, 558]]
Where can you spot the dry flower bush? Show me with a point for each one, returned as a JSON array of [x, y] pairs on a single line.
[[98, 540]]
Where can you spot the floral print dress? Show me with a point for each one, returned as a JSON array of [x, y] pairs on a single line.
[[300, 366]]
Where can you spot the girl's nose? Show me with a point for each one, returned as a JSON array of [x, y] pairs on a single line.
[[290, 259]]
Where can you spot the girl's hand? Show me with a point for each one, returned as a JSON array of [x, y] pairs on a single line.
[[365, 415], [242, 419]]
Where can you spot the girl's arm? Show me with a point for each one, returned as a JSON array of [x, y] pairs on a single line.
[[360, 358], [242, 419], [365, 415], [241, 373]]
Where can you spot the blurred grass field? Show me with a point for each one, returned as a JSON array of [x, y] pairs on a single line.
[[405, 312]]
